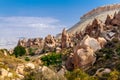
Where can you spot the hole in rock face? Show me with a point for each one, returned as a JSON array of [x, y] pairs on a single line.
[[115, 25]]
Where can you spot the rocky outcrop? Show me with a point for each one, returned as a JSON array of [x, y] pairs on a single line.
[[30, 65], [69, 64], [48, 74], [102, 41], [108, 20], [65, 40], [116, 20], [20, 71], [50, 43], [95, 29], [3, 73], [90, 42], [22, 42], [101, 9], [31, 42], [84, 53]]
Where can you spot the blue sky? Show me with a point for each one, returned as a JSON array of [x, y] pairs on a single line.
[[67, 11], [36, 18]]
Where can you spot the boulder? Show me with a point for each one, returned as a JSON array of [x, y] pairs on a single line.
[[69, 64], [90, 42], [83, 58], [10, 74], [58, 49], [5, 52], [102, 41], [30, 65], [84, 53], [20, 69], [102, 71], [48, 74], [3, 73]]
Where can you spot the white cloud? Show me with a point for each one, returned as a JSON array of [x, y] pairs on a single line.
[[27, 27]]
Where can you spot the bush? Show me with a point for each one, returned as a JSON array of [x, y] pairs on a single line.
[[19, 51], [27, 59], [114, 75], [52, 59], [78, 75], [118, 50], [31, 52]]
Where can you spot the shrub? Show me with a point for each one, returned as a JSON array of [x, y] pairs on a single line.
[[78, 75], [19, 51], [118, 50], [31, 52], [52, 59], [27, 59], [114, 75]]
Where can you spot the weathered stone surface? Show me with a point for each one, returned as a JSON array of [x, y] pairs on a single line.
[[101, 9], [116, 19], [65, 40], [69, 64], [102, 41], [95, 29], [90, 42], [58, 49], [30, 65], [84, 52], [31, 42], [102, 71], [108, 20], [50, 43], [83, 58], [3, 73], [10, 75], [48, 74], [20, 69], [37, 43]]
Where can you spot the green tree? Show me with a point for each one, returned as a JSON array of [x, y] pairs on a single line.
[[52, 59], [19, 51]]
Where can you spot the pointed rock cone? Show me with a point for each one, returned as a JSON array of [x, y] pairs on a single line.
[[108, 20]]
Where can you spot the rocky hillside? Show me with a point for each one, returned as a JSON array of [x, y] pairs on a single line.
[[88, 51], [98, 13]]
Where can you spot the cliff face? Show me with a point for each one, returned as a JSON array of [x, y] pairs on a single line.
[[100, 10], [98, 13]]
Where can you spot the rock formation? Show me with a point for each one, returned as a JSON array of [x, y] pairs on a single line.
[[108, 20], [31, 42], [65, 40], [95, 29], [50, 43], [116, 20], [22, 42], [84, 52], [101, 9]]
